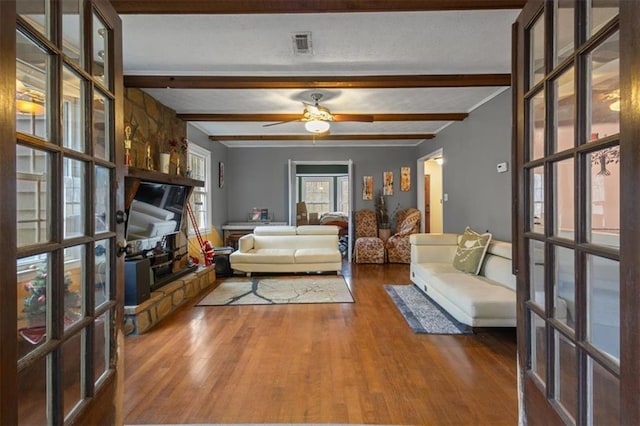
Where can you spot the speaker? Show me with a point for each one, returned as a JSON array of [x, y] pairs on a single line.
[[137, 284], [222, 265]]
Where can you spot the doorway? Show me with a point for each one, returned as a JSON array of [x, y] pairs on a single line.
[[430, 192], [315, 174]]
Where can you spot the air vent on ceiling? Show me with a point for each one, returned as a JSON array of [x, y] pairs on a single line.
[[302, 43]]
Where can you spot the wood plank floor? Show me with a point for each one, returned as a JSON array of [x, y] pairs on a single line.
[[330, 363]]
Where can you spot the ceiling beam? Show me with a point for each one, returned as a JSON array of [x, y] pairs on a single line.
[[417, 136], [445, 116], [306, 6], [316, 82]]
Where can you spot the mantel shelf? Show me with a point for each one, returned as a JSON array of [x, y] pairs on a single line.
[[154, 176]]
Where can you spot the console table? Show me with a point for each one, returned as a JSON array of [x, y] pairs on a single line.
[[234, 230]]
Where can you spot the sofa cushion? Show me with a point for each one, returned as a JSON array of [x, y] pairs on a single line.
[[317, 255], [471, 250], [317, 230], [409, 223], [265, 255], [475, 295], [274, 230]]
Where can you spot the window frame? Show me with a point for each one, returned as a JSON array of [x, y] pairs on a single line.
[[206, 156]]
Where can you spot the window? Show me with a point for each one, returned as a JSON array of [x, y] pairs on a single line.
[[324, 193], [199, 161]]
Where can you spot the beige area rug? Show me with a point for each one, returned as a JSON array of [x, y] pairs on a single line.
[[279, 290]]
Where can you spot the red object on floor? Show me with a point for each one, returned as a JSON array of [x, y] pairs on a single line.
[[33, 335]]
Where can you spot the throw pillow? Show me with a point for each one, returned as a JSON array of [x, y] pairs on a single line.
[[409, 223], [471, 251]]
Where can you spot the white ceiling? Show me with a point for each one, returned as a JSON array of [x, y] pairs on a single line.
[[344, 44]]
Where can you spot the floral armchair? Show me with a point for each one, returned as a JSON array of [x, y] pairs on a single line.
[[368, 248], [398, 246]]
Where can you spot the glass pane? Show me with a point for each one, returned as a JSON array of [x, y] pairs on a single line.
[[36, 13], [100, 53], [602, 11], [565, 109], [32, 201], [603, 395], [536, 272], [102, 199], [71, 29], [317, 193], [71, 373], [564, 224], [74, 203], [536, 52], [536, 126], [564, 300], [604, 67], [603, 207], [101, 132], [32, 65], [536, 204], [103, 271], [33, 286], [32, 394], [72, 111], [198, 204], [564, 29], [74, 273], [101, 346], [566, 380], [603, 305], [538, 348]]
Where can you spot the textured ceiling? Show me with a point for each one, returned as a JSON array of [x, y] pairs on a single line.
[[401, 46]]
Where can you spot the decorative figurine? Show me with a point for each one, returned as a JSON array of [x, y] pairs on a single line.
[[148, 160], [127, 146]]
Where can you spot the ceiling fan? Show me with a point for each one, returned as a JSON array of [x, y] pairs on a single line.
[[317, 118]]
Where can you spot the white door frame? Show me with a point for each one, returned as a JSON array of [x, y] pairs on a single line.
[[420, 181], [293, 190]]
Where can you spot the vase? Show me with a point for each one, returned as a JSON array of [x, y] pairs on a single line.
[[165, 161]]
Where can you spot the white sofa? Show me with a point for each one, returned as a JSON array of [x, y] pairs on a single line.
[[307, 248], [484, 300]]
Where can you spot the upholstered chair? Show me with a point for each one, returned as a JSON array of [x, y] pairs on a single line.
[[368, 248], [398, 246]]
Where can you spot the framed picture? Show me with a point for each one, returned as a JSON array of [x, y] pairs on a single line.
[[220, 174], [388, 183], [367, 188], [405, 178]]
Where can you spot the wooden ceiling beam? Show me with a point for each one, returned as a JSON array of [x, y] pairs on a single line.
[[316, 82], [417, 136], [307, 6], [446, 116]]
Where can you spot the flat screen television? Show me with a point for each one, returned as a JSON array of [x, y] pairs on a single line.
[[156, 210]]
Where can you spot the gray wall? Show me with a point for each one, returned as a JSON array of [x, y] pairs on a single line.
[[218, 153], [257, 177], [479, 196]]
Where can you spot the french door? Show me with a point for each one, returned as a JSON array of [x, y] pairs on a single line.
[[576, 146], [62, 307]]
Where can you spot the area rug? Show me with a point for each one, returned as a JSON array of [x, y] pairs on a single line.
[[423, 314], [279, 290]]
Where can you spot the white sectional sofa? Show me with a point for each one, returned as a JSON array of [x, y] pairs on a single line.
[[484, 300], [307, 248]]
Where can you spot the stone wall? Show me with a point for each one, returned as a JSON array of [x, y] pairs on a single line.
[[154, 126]]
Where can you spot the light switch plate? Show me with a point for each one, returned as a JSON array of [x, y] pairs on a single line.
[[502, 167]]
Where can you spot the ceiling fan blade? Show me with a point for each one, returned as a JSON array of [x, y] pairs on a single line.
[[365, 118], [280, 122]]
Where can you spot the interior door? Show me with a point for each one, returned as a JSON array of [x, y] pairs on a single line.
[[62, 310], [576, 150], [427, 203]]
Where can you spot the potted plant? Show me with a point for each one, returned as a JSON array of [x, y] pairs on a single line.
[[35, 303]]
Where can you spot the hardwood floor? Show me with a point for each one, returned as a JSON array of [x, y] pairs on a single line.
[[331, 363]]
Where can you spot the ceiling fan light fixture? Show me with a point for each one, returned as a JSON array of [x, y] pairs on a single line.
[[25, 107], [317, 126]]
